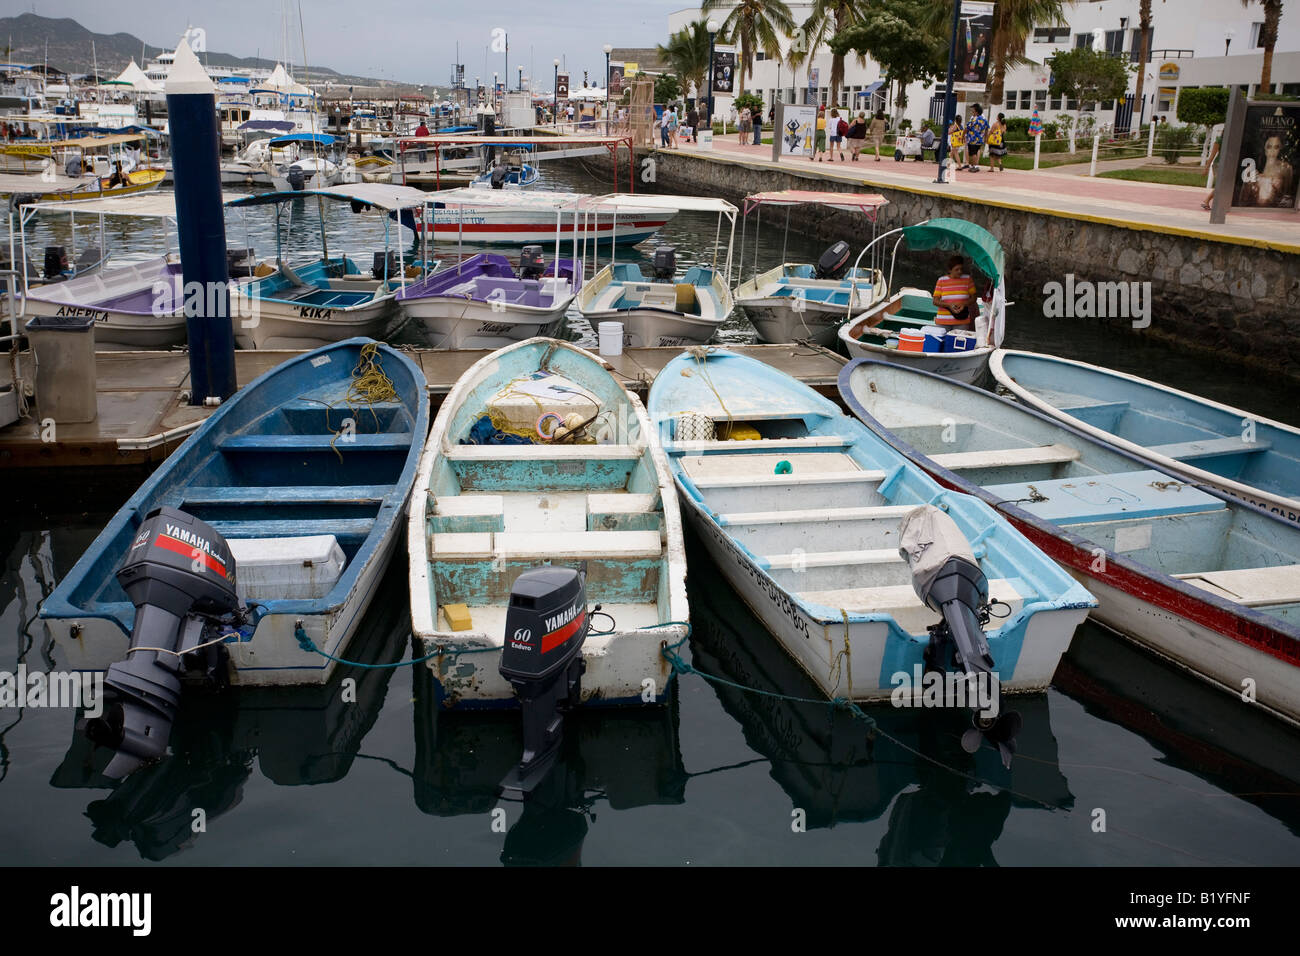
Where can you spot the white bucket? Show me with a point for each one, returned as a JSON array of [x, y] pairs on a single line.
[[611, 338]]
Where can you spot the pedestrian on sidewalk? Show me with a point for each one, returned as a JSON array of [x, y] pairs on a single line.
[[819, 144], [837, 137], [1211, 164], [876, 132], [745, 123], [997, 148], [693, 121], [927, 140], [857, 135], [956, 141], [672, 127], [977, 128], [756, 117]]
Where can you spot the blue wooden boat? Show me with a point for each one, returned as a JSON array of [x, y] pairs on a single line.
[[1199, 577], [1249, 457], [306, 482], [804, 520]]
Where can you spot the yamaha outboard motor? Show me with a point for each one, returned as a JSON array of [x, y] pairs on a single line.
[[834, 261], [297, 178], [947, 578], [546, 625], [664, 265], [500, 173], [384, 266], [180, 575], [531, 263], [56, 260], [240, 262]]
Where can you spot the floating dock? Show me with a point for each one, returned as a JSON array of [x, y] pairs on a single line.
[[144, 411]]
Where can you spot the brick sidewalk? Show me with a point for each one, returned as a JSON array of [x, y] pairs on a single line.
[[1122, 202]]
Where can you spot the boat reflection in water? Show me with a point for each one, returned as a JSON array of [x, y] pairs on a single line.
[[1197, 727], [822, 758], [297, 736], [622, 758]]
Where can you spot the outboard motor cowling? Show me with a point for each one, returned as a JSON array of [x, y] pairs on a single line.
[[56, 260], [948, 579], [297, 178], [240, 262], [384, 266], [500, 173], [180, 575], [834, 261], [664, 265], [531, 262], [546, 625]]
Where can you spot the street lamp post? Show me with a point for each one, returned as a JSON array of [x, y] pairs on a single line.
[[1227, 40], [555, 95], [608, 50], [519, 87], [712, 26]]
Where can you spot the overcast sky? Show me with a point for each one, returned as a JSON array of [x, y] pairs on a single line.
[[404, 40]]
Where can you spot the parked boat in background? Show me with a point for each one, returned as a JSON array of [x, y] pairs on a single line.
[[482, 302], [1205, 580], [800, 506], [502, 492], [903, 329], [809, 301], [307, 305], [1245, 455], [662, 310], [519, 217], [278, 517]]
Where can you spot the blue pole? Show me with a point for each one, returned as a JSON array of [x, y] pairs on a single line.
[[201, 227], [949, 101]]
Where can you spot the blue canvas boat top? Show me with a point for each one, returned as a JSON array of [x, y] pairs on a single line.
[[729, 388], [278, 460], [1195, 432]]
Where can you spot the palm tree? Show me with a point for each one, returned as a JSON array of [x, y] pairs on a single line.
[[1144, 24], [829, 17], [1268, 39], [687, 55], [752, 24]]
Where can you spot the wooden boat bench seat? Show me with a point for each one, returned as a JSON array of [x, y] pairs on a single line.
[[1208, 448], [1124, 496], [724, 446], [1056, 454], [294, 528], [591, 512], [1253, 587], [742, 465], [827, 515], [197, 496], [901, 602], [388, 441], [800, 560], [543, 452], [569, 545]]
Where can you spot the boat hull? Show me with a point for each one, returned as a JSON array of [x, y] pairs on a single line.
[[776, 321], [657, 328], [443, 323], [123, 302], [488, 226], [966, 367], [269, 324]]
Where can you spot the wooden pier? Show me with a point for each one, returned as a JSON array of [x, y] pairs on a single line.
[[144, 411]]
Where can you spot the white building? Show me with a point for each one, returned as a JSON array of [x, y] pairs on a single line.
[[1193, 43]]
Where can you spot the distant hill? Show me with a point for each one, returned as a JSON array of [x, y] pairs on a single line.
[[69, 50]]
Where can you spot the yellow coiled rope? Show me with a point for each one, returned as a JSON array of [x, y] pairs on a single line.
[[369, 385]]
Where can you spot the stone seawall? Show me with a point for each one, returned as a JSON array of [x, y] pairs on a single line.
[[1238, 301]]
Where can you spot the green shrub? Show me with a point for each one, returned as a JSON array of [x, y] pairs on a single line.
[[1205, 106], [1173, 141]]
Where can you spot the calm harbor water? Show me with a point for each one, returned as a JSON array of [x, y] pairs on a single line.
[[1184, 774]]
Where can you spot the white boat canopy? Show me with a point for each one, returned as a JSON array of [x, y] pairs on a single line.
[[135, 78], [11, 183], [513, 198], [865, 203], [386, 196], [661, 201], [150, 205]]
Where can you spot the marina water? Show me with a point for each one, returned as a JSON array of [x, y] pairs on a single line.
[[371, 772]]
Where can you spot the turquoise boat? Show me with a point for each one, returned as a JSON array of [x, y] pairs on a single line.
[[804, 518], [1247, 456]]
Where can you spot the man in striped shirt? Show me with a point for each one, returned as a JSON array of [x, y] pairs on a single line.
[[954, 294]]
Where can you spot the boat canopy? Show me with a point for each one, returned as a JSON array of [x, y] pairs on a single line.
[[513, 198], [150, 205], [962, 236], [321, 139], [11, 183], [660, 201], [865, 203], [386, 196]]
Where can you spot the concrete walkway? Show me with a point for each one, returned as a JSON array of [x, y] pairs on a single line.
[[1134, 205]]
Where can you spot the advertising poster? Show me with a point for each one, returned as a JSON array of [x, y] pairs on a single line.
[[724, 71], [1270, 152], [562, 86], [616, 79], [974, 37], [798, 128]]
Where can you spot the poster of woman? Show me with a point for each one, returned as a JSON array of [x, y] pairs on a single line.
[[1270, 154], [974, 33]]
